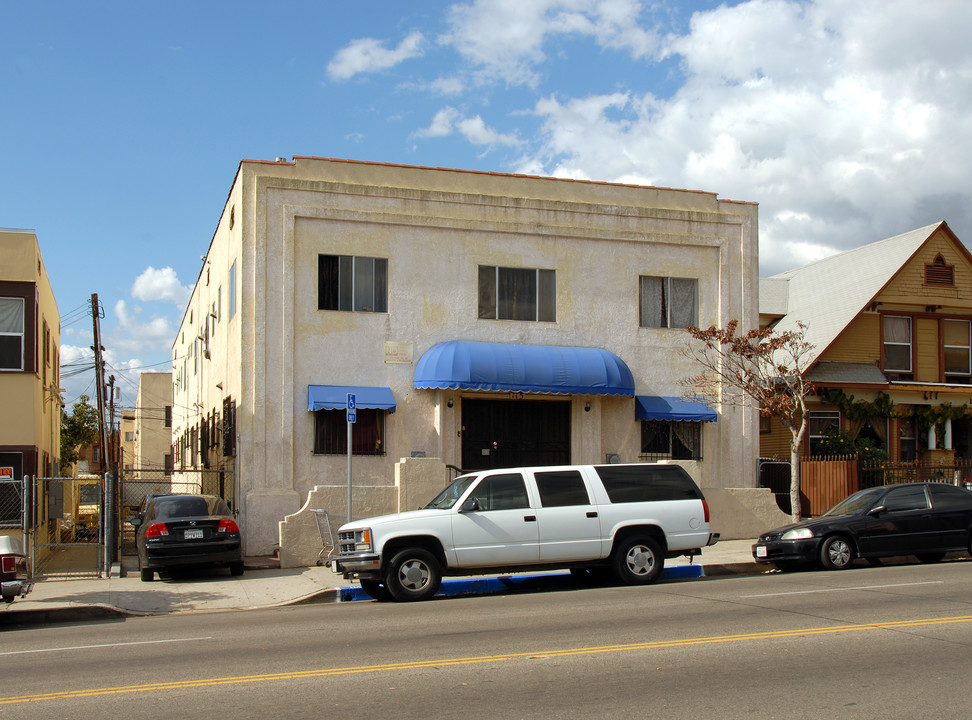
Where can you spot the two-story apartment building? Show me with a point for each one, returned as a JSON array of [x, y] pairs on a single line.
[[152, 446], [30, 341], [891, 326], [480, 320]]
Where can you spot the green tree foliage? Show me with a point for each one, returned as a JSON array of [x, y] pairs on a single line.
[[78, 429]]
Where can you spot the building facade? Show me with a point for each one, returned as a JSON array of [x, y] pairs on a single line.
[[152, 447], [479, 319], [891, 326], [30, 341]]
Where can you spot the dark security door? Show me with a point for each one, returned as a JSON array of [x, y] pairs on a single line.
[[514, 433]]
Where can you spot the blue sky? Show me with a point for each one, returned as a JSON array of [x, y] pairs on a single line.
[[124, 123]]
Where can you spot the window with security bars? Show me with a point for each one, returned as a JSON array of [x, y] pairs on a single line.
[[670, 440], [367, 432]]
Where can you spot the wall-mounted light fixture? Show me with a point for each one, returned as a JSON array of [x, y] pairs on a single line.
[[587, 407], [450, 403]]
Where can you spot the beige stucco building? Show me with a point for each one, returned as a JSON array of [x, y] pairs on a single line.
[[30, 341], [480, 319], [152, 448]]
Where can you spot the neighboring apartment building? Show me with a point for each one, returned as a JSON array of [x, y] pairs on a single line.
[[153, 423], [891, 325], [30, 341], [126, 432], [481, 320]]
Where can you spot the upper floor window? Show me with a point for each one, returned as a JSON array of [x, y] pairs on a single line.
[[232, 290], [352, 283], [666, 302], [897, 343], [956, 336], [11, 333], [517, 294]]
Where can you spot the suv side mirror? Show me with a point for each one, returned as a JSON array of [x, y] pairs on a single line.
[[470, 505], [135, 521]]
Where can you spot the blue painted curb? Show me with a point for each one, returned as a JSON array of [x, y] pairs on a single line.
[[518, 583]]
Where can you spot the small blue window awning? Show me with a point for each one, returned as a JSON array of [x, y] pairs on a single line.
[[335, 397], [654, 407], [502, 367]]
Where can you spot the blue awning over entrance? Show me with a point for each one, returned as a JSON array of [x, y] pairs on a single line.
[[463, 365], [654, 407], [335, 397]]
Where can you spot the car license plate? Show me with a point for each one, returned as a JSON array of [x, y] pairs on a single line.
[[334, 567], [760, 551], [193, 534]]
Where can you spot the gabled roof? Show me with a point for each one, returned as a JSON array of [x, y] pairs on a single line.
[[828, 294]]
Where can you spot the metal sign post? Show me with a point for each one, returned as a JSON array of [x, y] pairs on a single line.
[[351, 412]]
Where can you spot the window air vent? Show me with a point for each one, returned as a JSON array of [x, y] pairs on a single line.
[[940, 274]]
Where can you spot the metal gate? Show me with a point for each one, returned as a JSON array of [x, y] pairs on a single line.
[[137, 484], [68, 528]]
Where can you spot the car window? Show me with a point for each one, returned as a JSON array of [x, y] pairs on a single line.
[[559, 488], [647, 483], [855, 503], [949, 497], [501, 492], [176, 506], [448, 497], [906, 498]]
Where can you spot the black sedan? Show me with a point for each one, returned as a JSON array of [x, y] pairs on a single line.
[[922, 519], [177, 531]]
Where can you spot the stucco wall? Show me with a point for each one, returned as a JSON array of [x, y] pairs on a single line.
[[436, 227]]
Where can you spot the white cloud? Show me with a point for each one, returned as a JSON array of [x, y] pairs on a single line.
[[505, 39], [367, 55], [846, 122], [161, 285], [449, 120], [132, 336]]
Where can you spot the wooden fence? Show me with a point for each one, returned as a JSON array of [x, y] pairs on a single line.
[[826, 481]]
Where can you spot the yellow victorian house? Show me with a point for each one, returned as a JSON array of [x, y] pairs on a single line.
[[891, 326]]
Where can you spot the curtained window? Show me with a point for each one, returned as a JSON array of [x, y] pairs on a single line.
[[897, 343], [517, 294], [668, 302], [671, 440]]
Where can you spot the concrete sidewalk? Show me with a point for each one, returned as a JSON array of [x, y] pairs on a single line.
[[79, 599]]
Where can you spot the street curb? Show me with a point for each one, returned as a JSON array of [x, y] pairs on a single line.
[[743, 568], [517, 583], [51, 616]]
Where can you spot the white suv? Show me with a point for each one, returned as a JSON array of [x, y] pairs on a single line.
[[593, 519]]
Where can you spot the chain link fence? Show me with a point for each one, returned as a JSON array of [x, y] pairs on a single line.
[[138, 484]]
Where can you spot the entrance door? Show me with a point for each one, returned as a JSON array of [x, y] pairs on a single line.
[[514, 433]]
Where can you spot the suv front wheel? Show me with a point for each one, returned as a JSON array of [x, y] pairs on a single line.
[[413, 574], [638, 560]]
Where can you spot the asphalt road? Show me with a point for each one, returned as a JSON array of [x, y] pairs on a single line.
[[891, 642]]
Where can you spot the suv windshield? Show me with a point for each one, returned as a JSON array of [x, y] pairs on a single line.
[[450, 496]]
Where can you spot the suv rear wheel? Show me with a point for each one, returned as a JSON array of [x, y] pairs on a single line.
[[638, 560]]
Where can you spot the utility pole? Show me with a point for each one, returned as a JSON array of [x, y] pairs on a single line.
[[99, 376], [106, 498]]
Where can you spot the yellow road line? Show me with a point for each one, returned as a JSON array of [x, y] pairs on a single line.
[[420, 664]]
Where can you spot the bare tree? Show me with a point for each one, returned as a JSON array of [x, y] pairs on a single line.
[[759, 367]]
